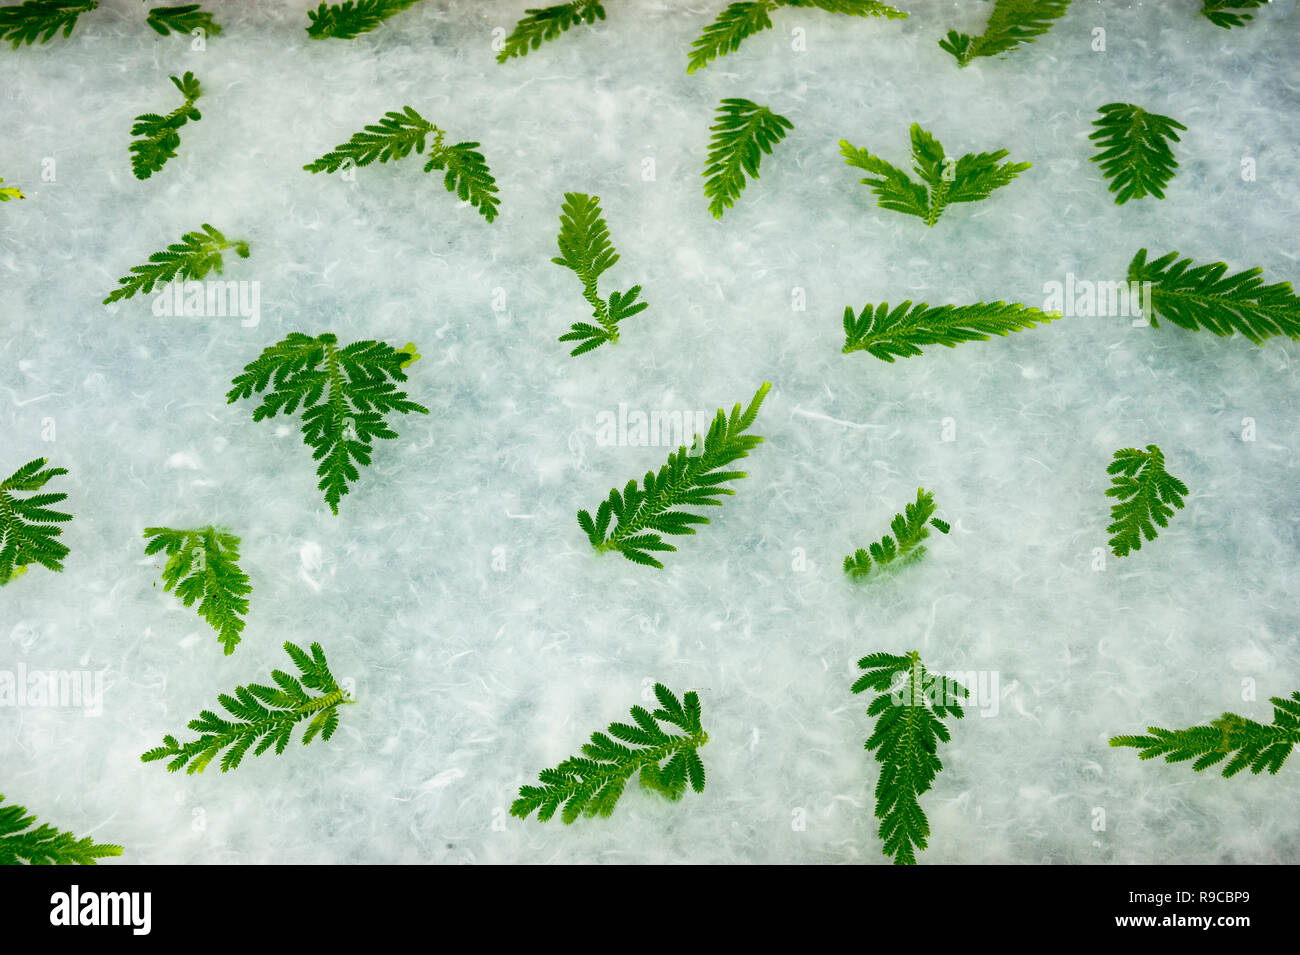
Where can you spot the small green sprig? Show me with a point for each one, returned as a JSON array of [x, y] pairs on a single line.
[[540, 24], [585, 247], [197, 254], [203, 565], [910, 529], [396, 135], [39, 20], [899, 332], [1133, 150], [264, 715], [159, 136], [1230, 13], [44, 845], [742, 133], [184, 19], [10, 192], [592, 783], [346, 21], [28, 525], [1012, 24], [1251, 745], [1147, 495]]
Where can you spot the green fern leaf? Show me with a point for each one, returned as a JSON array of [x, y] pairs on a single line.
[[546, 23], [742, 133], [1206, 297], [159, 136], [344, 394], [592, 783], [742, 20], [910, 529], [197, 254], [1134, 150], [396, 135], [41, 19], [10, 192], [184, 20], [265, 715], [1229, 13], [44, 845], [348, 20], [943, 181], [901, 332], [909, 712], [1147, 496], [641, 515], [1012, 23], [585, 248], [1251, 745], [28, 528], [202, 565]]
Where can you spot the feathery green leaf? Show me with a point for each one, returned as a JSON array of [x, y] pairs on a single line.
[[1252, 745], [585, 248], [10, 192], [197, 254], [902, 331], [909, 711], [1205, 296], [910, 529], [344, 394], [396, 135], [1229, 13], [546, 23], [1147, 495], [183, 19], [641, 515], [44, 845], [1133, 150], [265, 715], [27, 524], [1012, 23], [744, 19], [202, 565], [742, 133], [41, 19], [943, 181], [348, 20], [159, 136], [592, 783]]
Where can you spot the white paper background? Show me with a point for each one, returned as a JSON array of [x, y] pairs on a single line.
[[470, 680]]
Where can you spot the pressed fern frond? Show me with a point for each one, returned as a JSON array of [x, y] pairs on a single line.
[[184, 19], [586, 249], [969, 179], [1206, 297], [344, 393], [592, 783], [909, 712], [1229, 13], [1134, 150], [742, 133], [742, 20], [27, 525], [264, 715], [348, 20], [902, 331], [910, 529], [197, 254], [1147, 496], [393, 138], [41, 19], [159, 138], [202, 565], [10, 192], [546, 23], [44, 845], [1012, 23], [1250, 744], [641, 515]]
